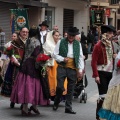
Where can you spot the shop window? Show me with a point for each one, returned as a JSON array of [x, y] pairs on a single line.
[[50, 17]]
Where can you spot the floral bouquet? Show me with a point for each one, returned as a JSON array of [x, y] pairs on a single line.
[[118, 64], [10, 53], [41, 60]]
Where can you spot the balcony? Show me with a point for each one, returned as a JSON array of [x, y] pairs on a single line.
[[106, 1], [100, 2], [112, 2], [37, 3]]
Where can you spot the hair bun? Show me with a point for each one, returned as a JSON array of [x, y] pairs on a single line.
[[33, 27]]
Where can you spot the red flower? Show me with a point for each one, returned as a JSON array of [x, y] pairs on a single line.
[[42, 57], [9, 48], [118, 63], [9, 51]]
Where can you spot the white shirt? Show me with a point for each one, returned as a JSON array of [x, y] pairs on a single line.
[[43, 33], [59, 58]]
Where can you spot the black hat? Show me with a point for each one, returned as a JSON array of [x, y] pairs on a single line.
[[73, 31], [44, 23], [107, 28]]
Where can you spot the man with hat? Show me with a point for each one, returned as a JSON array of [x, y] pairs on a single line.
[[69, 56], [43, 31], [102, 63]]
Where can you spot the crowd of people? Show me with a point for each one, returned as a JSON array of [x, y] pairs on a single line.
[[38, 68], [43, 66]]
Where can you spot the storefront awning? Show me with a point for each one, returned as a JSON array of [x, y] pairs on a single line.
[[27, 2]]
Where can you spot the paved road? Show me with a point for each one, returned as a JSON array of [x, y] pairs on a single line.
[[84, 111]]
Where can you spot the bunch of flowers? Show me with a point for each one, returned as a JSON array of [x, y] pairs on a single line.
[[9, 51], [118, 64], [41, 60]]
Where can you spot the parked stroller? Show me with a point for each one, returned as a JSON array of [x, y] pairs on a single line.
[[79, 90]]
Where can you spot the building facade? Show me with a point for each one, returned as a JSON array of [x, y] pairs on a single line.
[[113, 6], [63, 13], [34, 13], [70, 13]]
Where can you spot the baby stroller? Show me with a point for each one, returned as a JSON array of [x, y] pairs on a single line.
[[79, 90]]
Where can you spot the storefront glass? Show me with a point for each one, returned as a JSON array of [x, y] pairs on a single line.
[[50, 16]]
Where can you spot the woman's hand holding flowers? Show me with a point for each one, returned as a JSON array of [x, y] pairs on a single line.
[[10, 53]]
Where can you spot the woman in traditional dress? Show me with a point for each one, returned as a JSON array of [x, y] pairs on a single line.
[[111, 105], [8, 79], [15, 51], [51, 41], [28, 88]]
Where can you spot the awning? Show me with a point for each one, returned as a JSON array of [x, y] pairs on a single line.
[[27, 2]]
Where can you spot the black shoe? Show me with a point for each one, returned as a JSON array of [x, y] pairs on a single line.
[[69, 111], [12, 104], [76, 96], [21, 107], [55, 107]]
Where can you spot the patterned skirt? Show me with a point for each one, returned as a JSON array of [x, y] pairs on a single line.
[[111, 105]]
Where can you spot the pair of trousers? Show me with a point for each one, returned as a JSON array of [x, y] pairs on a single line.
[[71, 75], [105, 78]]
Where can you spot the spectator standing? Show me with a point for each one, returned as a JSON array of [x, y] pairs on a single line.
[[84, 49], [8, 79], [65, 34], [84, 39], [55, 28], [90, 41], [118, 34], [2, 40], [43, 31]]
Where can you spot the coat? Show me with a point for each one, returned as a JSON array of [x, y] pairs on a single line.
[[99, 57]]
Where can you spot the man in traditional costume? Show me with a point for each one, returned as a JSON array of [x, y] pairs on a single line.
[[43, 32], [69, 56], [102, 63]]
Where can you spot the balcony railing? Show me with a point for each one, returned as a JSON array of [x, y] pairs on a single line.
[[106, 1], [114, 1]]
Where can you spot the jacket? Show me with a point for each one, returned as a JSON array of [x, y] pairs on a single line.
[[99, 57]]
